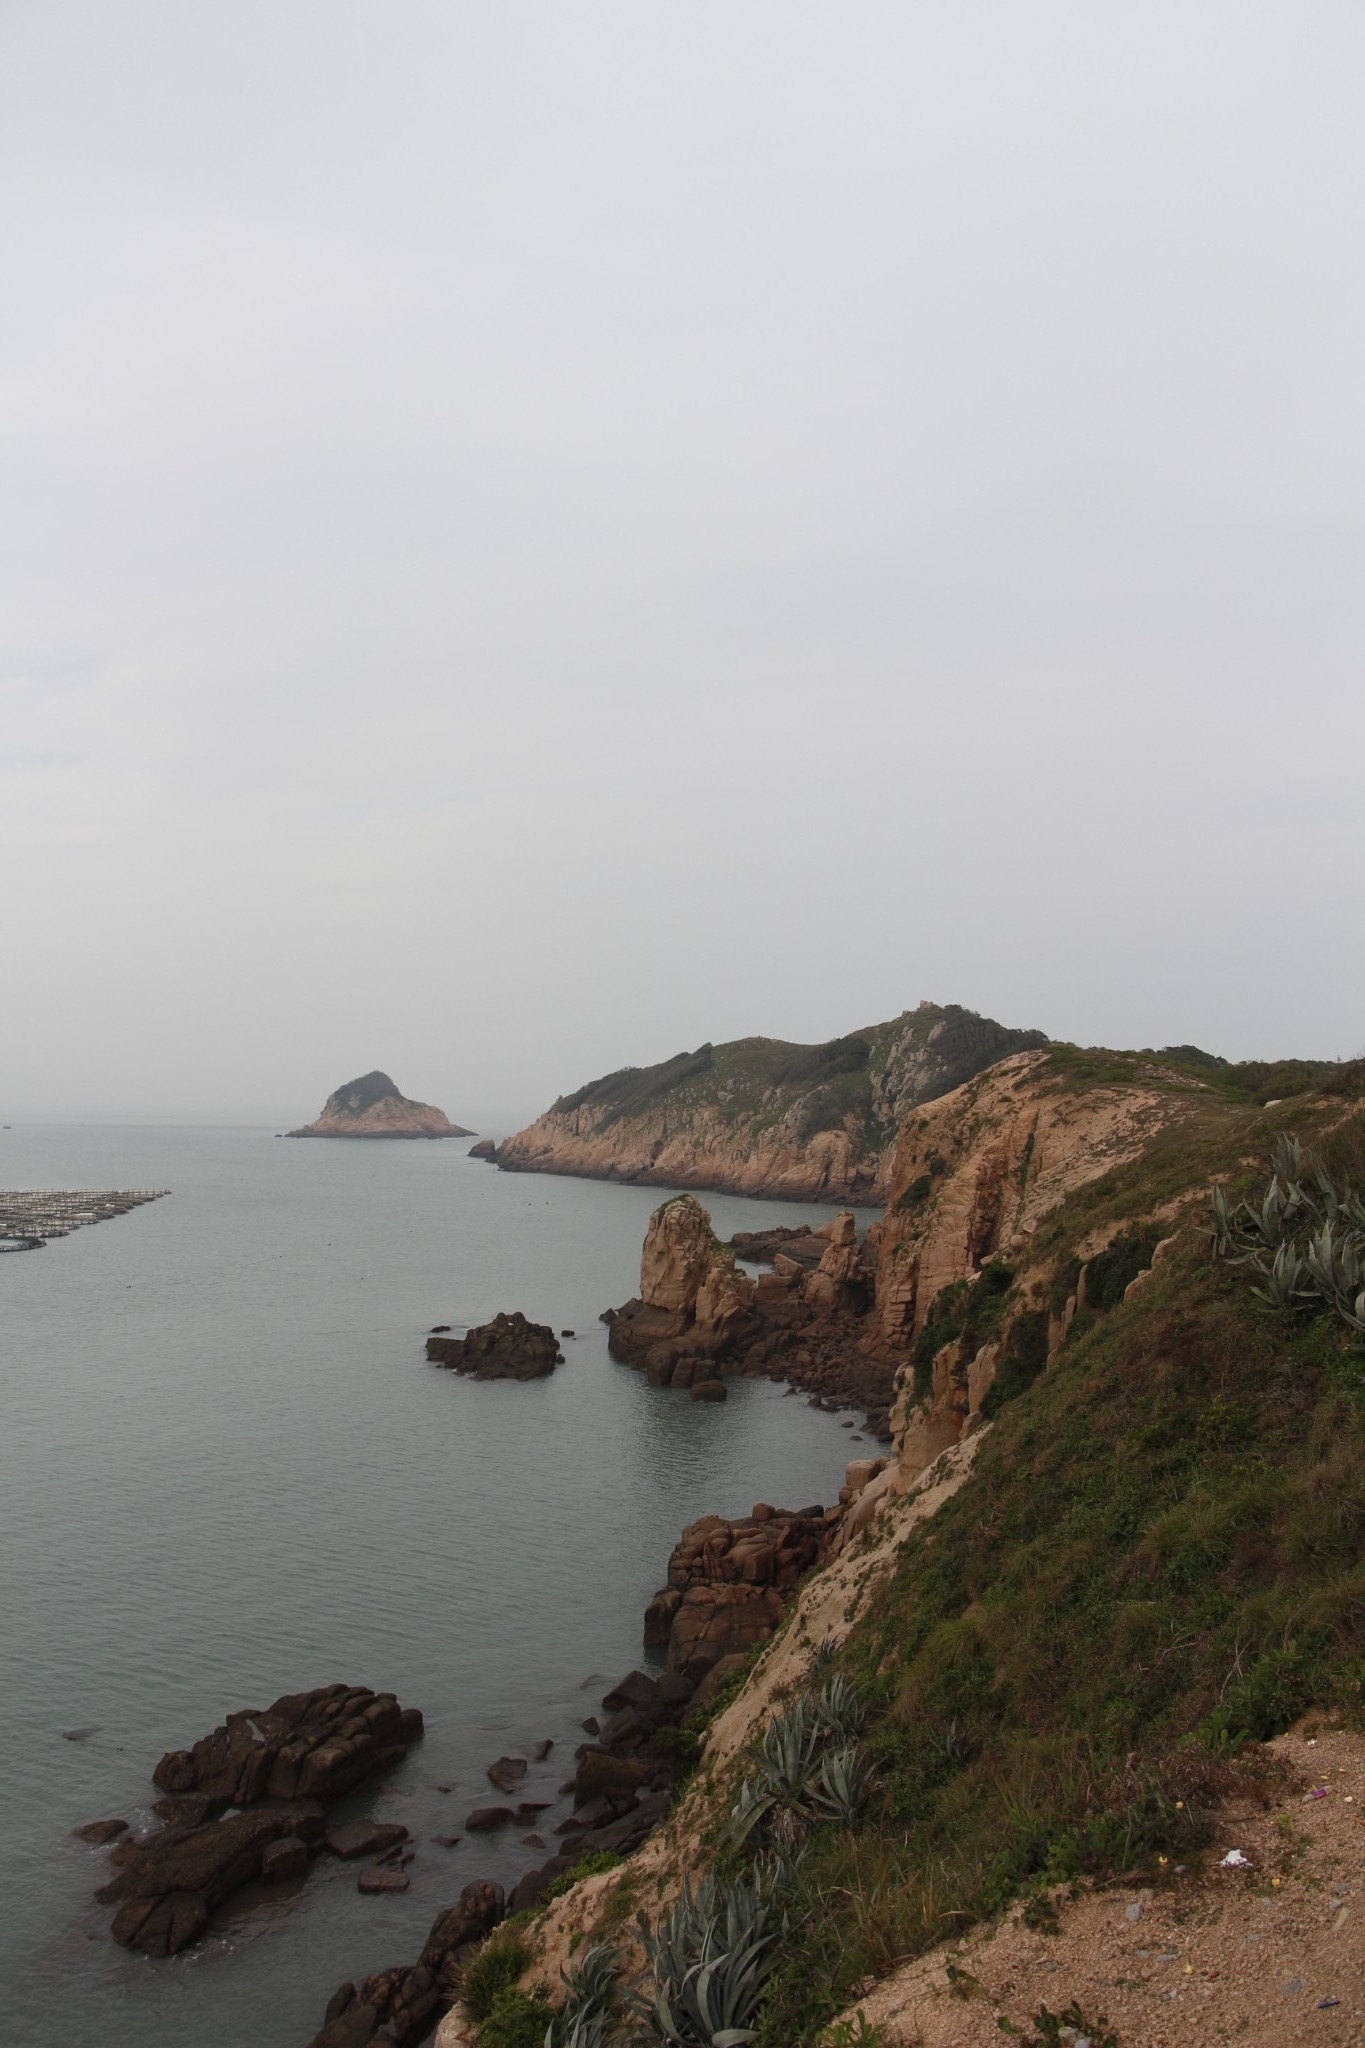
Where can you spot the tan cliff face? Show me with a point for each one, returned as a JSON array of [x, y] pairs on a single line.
[[706, 1151], [977, 1172], [974, 1177]]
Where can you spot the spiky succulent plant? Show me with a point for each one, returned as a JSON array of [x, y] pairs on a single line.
[[1304, 1240]]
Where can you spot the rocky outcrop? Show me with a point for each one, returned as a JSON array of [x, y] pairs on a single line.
[[729, 1583], [372, 1107], [168, 1884], [763, 1117], [401, 2005], [282, 1764], [508, 1348], [697, 1315], [308, 1745], [485, 1149]]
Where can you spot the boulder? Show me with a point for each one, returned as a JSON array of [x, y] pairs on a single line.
[[313, 1745], [715, 1621], [636, 1689], [507, 1773], [709, 1390], [168, 1883], [287, 1858], [508, 1348], [382, 1881], [364, 1838], [601, 1775], [484, 1149], [100, 1831]]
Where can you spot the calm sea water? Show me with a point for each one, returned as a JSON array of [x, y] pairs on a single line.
[[226, 1472]]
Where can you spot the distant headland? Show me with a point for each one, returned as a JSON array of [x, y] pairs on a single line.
[[373, 1107]]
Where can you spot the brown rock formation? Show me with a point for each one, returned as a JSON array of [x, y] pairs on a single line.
[[372, 1107], [401, 2005], [305, 1749], [697, 1314], [167, 1885], [508, 1348], [729, 1583], [308, 1745], [763, 1117]]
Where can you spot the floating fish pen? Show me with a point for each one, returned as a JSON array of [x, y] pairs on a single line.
[[30, 1216]]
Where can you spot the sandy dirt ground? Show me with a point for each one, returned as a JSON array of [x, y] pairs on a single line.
[[1270, 1953]]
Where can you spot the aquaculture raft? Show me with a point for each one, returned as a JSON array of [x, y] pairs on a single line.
[[30, 1216]]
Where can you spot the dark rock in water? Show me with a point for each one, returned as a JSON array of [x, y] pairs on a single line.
[[382, 1881], [592, 1726], [284, 1859], [167, 1884], [566, 1333], [485, 1149], [709, 1390], [439, 1329], [540, 1750], [401, 2006], [528, 1809], [447, 1841], [485, 1819], [365, 1838], [308, 1745], [278, 1765], [194, 1807], [508, 1348], [533, 1841], [636, 1689], [79, 1734], [507, 1773], [100, 1831]]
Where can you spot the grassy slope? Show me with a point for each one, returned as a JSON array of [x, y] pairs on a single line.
[[1157, 1559]]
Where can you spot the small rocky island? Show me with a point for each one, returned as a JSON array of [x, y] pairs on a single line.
[[508, 1348], [373, 1107]]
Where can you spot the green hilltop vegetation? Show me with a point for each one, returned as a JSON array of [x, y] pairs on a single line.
[[1156, 1564], [866, 1081]]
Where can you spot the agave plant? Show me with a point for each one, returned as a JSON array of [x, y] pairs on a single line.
[[1305, 1241], [710, 1958], [588, 2016], [839, 1707], [839, 1788]]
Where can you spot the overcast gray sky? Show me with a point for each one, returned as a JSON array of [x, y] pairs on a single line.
[[534, 535]]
